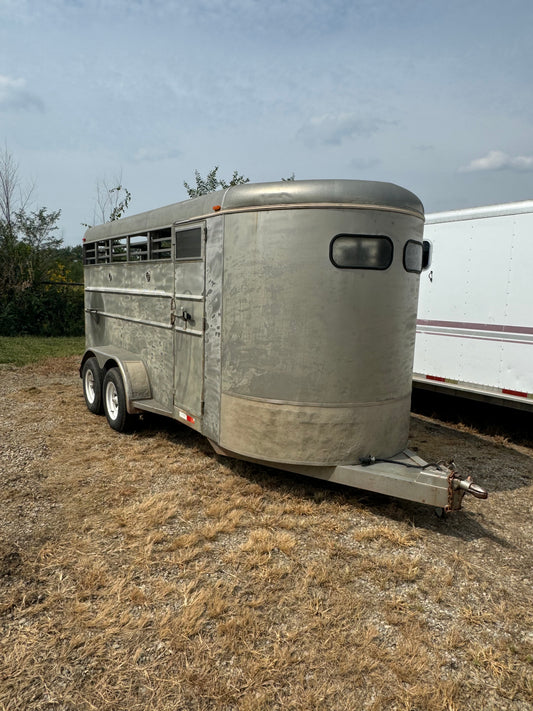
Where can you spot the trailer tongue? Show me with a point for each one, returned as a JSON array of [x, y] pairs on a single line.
[[404, 476], [407, 476]]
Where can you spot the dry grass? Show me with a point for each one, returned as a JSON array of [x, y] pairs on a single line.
[[143, 572]]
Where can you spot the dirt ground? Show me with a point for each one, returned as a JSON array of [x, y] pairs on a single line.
[[142, 571]]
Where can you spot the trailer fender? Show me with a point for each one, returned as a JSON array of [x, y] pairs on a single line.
[[132, 368]]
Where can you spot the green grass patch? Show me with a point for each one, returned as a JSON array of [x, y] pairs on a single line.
[[32, 349]]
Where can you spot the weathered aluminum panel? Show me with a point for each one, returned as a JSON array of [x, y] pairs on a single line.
[[189, 335], [316, 360], [129, 307], [214, 265], [364, 193], [317, 435]]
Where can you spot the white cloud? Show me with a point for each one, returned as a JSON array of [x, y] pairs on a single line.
[[14, 96], [498, 160]]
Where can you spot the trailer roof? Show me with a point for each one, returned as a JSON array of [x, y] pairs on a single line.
[[475, 213], [351, 193]]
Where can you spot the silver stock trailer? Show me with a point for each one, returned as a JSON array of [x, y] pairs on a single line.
[[278, 320]]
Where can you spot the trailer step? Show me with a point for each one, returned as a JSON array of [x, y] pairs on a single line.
[[151, 405]]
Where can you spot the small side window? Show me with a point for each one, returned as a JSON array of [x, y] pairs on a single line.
[[189, 243], [361, 251], [412, 256]]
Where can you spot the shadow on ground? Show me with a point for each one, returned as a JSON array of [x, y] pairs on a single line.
[[465, 525], [492, 420]]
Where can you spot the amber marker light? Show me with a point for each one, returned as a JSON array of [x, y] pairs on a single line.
[[216, 208]]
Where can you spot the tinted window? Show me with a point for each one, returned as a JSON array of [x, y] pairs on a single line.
[[361, 252], [412, 256], [189, 243]]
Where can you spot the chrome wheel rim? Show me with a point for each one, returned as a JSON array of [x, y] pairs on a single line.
[[111, 400], [89, 386]]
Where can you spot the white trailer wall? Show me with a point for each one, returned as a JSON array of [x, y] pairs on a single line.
[[475, 316]]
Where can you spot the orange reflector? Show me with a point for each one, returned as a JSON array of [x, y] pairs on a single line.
[[216, 208]]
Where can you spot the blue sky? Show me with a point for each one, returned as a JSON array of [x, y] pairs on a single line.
[[436, 96]]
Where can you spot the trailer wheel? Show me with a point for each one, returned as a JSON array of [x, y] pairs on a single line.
[[92, 386], [115, 401]]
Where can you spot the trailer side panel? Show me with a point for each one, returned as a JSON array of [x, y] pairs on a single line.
[[475, 319]]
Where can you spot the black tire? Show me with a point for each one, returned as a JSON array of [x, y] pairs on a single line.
[[91, 376], [114, 397]]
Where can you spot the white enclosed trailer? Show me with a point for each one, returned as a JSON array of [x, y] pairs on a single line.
[[474, 335]]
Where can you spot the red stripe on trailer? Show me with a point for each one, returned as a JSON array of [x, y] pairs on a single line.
[[517, 393], [503, 391]]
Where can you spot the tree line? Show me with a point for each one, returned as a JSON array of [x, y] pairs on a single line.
[[36, 271], [41, 280]]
